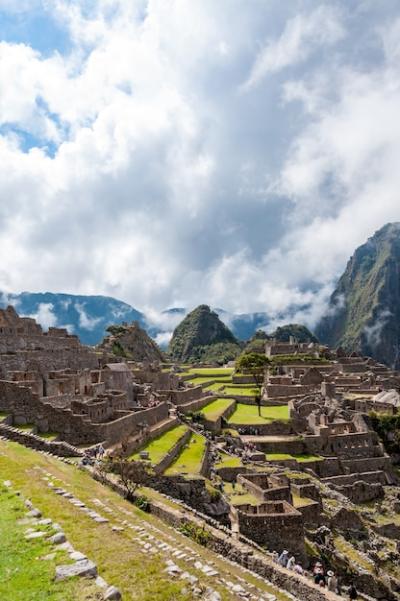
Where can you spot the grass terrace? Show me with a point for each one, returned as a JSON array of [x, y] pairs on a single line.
[[240, 390], [248, 414], [298, 458], [190, 459], [3, 415], [228, 461], [214, 410], [159, 447], [213, 372], [48, 435]]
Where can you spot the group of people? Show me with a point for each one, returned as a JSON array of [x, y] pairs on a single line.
[[93, 454], [323, 579]]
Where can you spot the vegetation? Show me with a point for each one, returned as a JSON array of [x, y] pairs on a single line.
[[297, 331], [214, 410], [228, 461], [298, 458], [249, 415], [159, 447], [130, 341], [255, 365], [199, 535], [203, 337], [24, 576], [388, 428], [190, 459]]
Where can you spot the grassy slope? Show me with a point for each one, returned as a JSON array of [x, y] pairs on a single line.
[[248, 414], [189, 460], [24, 575], [160, 446], [214, 410], [299, 458], [117, 554]]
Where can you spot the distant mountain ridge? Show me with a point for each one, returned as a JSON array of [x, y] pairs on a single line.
[[364, 311]]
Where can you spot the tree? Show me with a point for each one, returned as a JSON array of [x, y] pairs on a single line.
[[254, 364]]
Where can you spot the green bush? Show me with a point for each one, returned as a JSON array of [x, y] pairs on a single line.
[[199, 535]]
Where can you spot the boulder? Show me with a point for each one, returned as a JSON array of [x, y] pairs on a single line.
[[85, 568]]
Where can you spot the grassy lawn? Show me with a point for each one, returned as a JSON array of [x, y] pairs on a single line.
[[228, 461], [298, 458], [24, 575], [140, 577], [3, 415], [214, 410], [240, 390], [248, 414], [301, 501], [207, 371], [160, 446], [189, 461]]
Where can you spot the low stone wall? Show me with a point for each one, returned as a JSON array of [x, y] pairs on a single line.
[[206, 461], [55, 447], [195, 406], [172, 454], [185, 395]]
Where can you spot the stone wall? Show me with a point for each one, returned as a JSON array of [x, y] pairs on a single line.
[[55, 447], [172, 454], [275, 525]]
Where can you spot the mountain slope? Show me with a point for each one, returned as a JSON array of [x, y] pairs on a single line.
[[131, 342], [202, 336], [86, 316], [364, 312]]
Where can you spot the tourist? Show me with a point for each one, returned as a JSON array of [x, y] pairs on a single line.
[[332, 582], [318, 573], [275, 556], [283, 559], [291, 562], [298, 568], [353, 592]]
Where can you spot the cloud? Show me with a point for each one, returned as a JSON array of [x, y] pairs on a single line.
[[45, 315], [163, 338], [132, 166], [303, 34], [85, 321]]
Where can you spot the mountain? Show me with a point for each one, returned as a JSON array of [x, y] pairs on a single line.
[[364, 311], [202, 336], [301, 333], [131, 342], [86, 316]]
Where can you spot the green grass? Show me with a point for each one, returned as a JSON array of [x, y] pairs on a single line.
[[228, 461], [214, 410], [190, 459], [216, 387], [248, 414], [298, 458], [241, 390], [301, 501], [24, 575], [160, 446], [3, 415], [25, 427], [48, 435], [207, 371]]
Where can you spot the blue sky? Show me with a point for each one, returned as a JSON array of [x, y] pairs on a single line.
[[175, 153]]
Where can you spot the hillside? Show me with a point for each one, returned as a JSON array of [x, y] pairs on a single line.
[[364, 311], [131, 342], [297, 331], [202, 336]]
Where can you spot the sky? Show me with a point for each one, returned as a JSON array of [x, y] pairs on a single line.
[[192, 151]]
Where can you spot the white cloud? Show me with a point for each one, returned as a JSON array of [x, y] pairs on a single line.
[[45, 315], [165, 187], [85, 321], [303, 34], [163, 338]]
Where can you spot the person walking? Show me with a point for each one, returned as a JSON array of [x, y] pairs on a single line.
[[353, 592], [332, 582]]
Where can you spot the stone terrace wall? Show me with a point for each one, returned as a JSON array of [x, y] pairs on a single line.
[[172, 454], [185, 395], [55, 447]]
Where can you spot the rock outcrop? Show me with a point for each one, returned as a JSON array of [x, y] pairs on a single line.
[[131, 342]]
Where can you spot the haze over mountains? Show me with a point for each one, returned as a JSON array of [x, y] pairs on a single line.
[[363, 312]]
